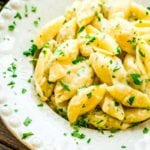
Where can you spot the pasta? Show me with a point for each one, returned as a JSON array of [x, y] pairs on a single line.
[[94, 64]]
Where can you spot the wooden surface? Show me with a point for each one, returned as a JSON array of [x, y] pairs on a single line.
[[7, 140]]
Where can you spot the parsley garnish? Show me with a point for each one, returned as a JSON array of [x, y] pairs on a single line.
[[31, 51], [98, 17], [131, 100], [123, 146], [81, 29], [119, 50], [90, 39], [23, 91], [141, 53], [77, 134], [18, 15], [11, 84], [59, 52], [33, 9], [89, 95], [146, 130], [116, 68], [89, 140], [148, 8], [136, 78], [65, 86], [78, 59], [27, 121], [26, 11], [40, 105], [12, 27], [116, 103], [36, 23], [26, 135]]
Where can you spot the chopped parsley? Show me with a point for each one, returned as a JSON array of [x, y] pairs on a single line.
[[36, 23], [31, 51], [23, 91], [27, 121], [89, 140], [123, 146], [77, 134], [65, 134], [119, 50], [90, 39], [141, 53], [81, 122], [11, 84], [146, 130], [18, 15], [98, 17], [33, 9], [12, 27], [26, 135], [81, 29], [26, 11], [78, 59], [89, 95], [12, 68], [59, 52], [113, 130], [116, 103], [148, 7], [116, 68], [65, 86], [131, 100], [40, 105], [136, 78]]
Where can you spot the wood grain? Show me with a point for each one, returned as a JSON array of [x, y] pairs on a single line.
[[8, 141]]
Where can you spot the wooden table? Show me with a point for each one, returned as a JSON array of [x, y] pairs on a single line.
[[7, 140]]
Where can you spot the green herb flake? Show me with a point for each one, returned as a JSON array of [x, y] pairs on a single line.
[[40, 105], [89, 95], [116, 103], [65, 134], [36, 23], [23, 91], [97, 16], [31, 51], [11, 27], [77, 134], [78, 59], [131, 100], [141, 53], [148, 7], [136, 78], [26, 11], [116, 68], [59, 52], [123, 146], [18, 16], [65, 86], [34, 9], [119, 50], [89, 140], [111, 135], [27, 121], [11, 84], [113, 130], [27, 135], [146, 130], [90, 39], [81, 29]]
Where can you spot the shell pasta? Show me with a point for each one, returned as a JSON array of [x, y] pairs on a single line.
[[93, 64]]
